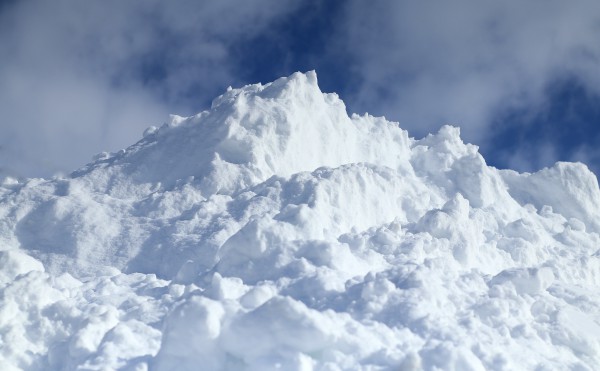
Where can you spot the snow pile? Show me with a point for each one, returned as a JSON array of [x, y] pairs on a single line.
[[275, 232]]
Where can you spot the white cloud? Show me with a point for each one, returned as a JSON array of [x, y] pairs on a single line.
[[82, 77], [464, 61]]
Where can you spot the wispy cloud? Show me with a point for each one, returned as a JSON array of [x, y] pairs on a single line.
[[464, 62], [81, 77]]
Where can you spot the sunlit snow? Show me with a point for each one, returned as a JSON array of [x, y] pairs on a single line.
[[275, 232]]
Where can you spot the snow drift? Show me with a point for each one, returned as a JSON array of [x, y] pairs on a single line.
[[275, 232]]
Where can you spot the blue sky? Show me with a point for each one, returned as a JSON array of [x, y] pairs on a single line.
[[521, 79]]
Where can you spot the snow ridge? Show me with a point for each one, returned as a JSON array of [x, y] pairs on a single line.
[[332, 242]]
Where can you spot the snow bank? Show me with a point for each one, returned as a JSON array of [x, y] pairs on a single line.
[[274, 231]]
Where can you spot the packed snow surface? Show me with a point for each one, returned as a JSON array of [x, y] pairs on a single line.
[[274, 232]]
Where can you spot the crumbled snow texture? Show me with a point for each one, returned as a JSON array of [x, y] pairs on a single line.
[[274, 232]]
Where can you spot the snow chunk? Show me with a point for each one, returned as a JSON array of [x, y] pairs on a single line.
[[14, 263], [189, 334], [571, 189], [529, 281]]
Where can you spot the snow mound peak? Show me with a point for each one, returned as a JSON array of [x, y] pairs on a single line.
[[334, 242], [251, 134]]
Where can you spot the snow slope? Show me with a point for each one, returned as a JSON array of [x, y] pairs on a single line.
[[275, 232]]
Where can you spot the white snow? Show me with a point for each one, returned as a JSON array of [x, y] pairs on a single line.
[[275, 232]]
